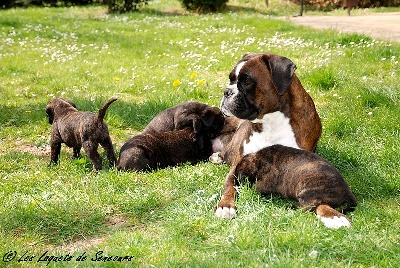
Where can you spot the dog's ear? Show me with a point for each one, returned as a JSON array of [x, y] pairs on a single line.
[[282, 71], [70, 103], [50, 114], [73, 104], [209, 115], [248, 56]]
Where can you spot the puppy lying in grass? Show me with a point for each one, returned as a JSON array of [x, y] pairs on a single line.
[[299, 175], [177, 135], [79, 129], [154, 150]]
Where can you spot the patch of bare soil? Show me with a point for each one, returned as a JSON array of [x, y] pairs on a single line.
[[35, 150], [382, 25]]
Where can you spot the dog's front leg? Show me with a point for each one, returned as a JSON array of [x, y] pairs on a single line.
[[226, 207]]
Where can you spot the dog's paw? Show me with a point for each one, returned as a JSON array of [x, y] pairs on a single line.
[[336, 222], [216, 158], [225, 212]]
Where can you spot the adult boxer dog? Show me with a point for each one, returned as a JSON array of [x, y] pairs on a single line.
[[300, 175], [273, 108], [79, 129]]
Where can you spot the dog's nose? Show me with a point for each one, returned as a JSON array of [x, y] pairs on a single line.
[[227, 92], [230, 90]]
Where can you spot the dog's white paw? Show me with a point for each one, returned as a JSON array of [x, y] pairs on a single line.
[[335, 222], [225, 212], [216, 158]]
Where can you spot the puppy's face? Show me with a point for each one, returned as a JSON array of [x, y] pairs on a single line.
[[58, 106], [257, 83]]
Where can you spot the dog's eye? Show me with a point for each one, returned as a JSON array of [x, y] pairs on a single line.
[[247, 81]]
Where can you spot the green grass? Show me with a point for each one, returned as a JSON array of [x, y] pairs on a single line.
[[165, 218]]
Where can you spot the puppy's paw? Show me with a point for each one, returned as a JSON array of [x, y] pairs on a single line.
[[52, 164], [225, 212], [335, 222], [216, 158]]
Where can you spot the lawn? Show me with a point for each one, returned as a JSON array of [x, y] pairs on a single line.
[[155, 59]]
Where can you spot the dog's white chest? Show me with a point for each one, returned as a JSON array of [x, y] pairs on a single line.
[[275, 130]]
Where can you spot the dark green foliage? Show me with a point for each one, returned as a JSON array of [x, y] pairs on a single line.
[[52, 3], [123, 6], [203, 6]]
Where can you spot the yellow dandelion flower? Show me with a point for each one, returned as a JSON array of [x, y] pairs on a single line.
[[200, 82], [116, 78], [193, 75], [176, 83]]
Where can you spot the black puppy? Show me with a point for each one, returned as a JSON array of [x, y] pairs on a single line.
[[299, 175], [79, 129]]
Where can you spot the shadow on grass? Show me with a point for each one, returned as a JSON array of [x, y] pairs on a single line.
[[227, 9], [19, 116]]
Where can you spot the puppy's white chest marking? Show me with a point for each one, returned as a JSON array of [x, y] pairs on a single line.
[[275, 130]]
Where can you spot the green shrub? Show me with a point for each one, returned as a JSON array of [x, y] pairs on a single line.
[[203, 6], [125, 5], [47, 3]]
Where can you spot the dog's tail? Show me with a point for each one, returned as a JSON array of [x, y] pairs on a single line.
[[102, 111]]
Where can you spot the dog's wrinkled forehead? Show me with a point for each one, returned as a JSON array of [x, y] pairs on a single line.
[[233, 76]]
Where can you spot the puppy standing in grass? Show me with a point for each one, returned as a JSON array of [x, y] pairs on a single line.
[[79, 129]]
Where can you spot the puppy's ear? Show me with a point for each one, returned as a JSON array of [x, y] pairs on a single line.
[[209, 114], [282, 71], [50, 114], [71, 103]]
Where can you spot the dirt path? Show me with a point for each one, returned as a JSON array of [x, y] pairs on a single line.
[[383, 26]]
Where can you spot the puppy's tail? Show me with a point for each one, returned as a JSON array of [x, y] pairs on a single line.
[[102, 111]]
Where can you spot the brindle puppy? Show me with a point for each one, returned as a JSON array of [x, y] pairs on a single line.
[[300, 175], [188, 114], [79, 129], [154, 150]]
